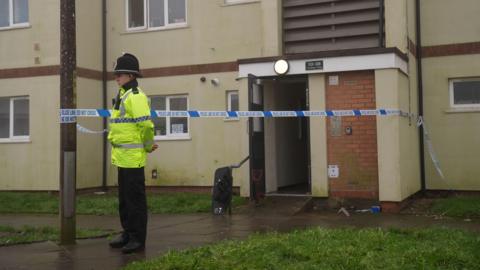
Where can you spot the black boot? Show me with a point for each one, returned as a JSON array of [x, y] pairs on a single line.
[[119, 241], [133, 246]]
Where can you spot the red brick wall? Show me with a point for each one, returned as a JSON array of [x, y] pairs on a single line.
[[356, 154]]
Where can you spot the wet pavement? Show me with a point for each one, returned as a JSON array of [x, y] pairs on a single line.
[[167, 232]]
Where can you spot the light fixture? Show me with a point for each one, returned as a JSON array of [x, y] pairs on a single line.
[[215, 81], [281, 67]]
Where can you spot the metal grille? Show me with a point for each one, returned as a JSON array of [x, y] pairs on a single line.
[[322, 25]]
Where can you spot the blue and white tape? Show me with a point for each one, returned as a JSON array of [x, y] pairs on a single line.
[[69, 115]]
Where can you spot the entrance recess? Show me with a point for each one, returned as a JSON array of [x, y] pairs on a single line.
[[279, 147]]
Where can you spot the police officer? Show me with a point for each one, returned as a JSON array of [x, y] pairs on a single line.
[[131, 136]]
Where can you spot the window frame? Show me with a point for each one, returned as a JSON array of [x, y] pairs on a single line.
[[13, 138], [452, 94], [169, 135], [11, 24], [146, 16], [229, 103], [238, 2]]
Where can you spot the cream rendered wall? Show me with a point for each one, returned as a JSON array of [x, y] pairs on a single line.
[[409, 135], [397, 139], [318, 136], [272, 27], [449, 22], [89, 146], [214, 143], [17, 45], [33, 165], [214, 33], [396, 24], [454, 135], [89, 92], [271, 177], [89, 34]]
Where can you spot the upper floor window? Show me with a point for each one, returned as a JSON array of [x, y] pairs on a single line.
[[13, 13], [155, 14], [170, 127], [465, 92], [14, 118]]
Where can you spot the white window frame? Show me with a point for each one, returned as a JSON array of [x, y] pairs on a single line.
[[452, 90], [11, 137], [169, 135], [238, 2], [15, 25], [146, 14], [229, 103]]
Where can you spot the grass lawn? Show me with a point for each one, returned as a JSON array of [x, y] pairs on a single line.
[[28, 234], [457, 207], [20, 202], [332, 249]]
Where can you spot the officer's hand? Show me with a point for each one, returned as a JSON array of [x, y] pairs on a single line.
[[154, 147]]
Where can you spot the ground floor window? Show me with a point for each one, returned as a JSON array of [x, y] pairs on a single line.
[[14, 118], [170, 127], [465, 92], [232, 103]]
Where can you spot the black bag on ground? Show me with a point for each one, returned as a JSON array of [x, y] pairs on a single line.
[[222, 191]]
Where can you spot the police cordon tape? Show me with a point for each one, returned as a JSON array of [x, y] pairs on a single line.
[[70, 115]]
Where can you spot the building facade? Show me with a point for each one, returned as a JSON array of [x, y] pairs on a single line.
[[219, 55]]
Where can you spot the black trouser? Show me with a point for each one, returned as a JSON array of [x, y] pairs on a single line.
[[133, 202]]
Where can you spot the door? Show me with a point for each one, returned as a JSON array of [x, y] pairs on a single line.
[[256, 139]]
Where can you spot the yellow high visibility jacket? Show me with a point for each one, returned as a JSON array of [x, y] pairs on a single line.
[[131, 129]]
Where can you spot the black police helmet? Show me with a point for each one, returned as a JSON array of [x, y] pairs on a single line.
[[127, 64]]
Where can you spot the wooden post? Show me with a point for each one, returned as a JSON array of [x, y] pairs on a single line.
[[68, 132]]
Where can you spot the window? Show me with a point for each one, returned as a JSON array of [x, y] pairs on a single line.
[[229, 2], [465, 93], [13, 13], [155, 14], [170, 127], [232, 102], [14, 118]]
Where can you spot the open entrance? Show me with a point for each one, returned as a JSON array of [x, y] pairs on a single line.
[[281, 145]]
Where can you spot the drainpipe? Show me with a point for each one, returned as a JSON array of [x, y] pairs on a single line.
[[420, 92], [104, 91]]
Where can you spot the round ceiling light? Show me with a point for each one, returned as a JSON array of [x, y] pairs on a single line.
[[281, 67]]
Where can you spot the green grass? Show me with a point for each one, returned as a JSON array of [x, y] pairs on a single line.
[[29, 234], [172, 203], [457, 207], [332, 249]]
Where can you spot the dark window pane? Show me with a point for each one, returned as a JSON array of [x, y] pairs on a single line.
[[157, 13], [178, 125], [234, 102], [160, 126], [158, 104], [4, 13], [465, 93], [178, 104], [135, 13], [4, 117], [176, 11], [20, 11], [20, 117]]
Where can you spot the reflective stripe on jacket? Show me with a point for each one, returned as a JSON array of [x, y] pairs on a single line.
[[131, 129]]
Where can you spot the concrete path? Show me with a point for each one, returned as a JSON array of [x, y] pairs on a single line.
[[166, 232]]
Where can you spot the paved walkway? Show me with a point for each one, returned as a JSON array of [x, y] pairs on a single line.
[[166, 232]]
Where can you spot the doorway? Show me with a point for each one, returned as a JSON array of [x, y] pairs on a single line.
[[282, 142]]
